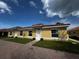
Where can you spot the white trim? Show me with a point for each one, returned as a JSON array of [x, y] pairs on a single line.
[[52, 38], [16, 34], [38, 35], [29, 37]]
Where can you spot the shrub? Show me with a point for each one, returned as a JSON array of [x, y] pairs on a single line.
[[12, 37], [16, 37], [33, 38], [42, 39]]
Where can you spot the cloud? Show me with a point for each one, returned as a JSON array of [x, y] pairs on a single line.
[[41, 12], [13, 1], [16, 2], [62, 8], [66, 21], [4, 7], [2, 11], [73, 26], [33, 4]]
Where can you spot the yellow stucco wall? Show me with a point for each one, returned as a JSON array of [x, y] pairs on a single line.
[[63, 34], [26, 34], [14, 34], [46, 33], [10, 35], [33, 33]]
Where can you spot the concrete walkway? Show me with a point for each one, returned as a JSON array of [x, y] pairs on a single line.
[[9, 50], [31, 52]]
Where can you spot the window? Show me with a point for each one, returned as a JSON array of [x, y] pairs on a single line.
[[30, 33], [21, 33], [10, 33], [54, 33]]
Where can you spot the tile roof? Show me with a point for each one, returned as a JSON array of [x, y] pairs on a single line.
[[35, 26]]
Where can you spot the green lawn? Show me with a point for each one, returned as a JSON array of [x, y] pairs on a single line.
[[18, 40], [59, 45]]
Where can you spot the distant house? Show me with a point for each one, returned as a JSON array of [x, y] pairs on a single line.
[[74, 33], [57, 31]]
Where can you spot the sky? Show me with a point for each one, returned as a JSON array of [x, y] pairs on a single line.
[[28, 12]]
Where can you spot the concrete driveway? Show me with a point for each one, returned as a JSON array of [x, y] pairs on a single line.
[[7, 48], [10, 50]]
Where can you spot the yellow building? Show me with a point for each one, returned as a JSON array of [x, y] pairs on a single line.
[[57, 31]]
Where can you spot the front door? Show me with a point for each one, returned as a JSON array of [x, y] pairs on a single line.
[[38, 35]]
